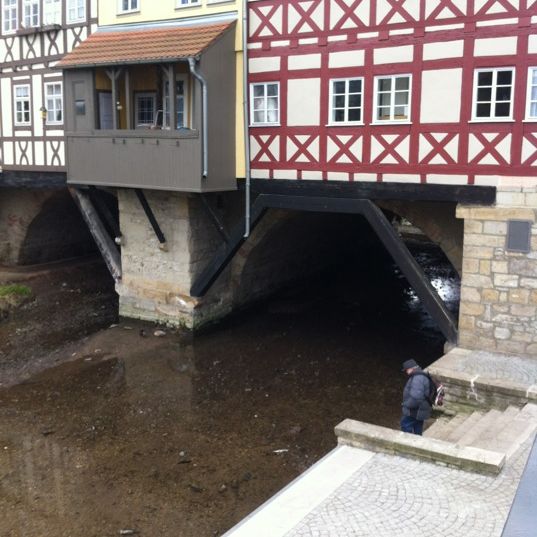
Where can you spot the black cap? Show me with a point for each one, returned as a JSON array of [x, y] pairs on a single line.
[[409, 364]]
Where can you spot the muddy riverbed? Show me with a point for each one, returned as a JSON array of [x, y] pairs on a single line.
[[104, 429]]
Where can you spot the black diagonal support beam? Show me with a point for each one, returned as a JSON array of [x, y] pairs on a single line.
[[226, 252], [151, 217], [106, 245], [380, 224]]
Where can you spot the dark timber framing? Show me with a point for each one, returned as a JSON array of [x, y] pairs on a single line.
[[380, 224], [473, 195], [106, 245], [152, 219]]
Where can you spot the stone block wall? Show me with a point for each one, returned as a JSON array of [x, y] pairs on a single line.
[[498, 310], [155, 285]]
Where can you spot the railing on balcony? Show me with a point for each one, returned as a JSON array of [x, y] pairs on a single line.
[[154, 159]]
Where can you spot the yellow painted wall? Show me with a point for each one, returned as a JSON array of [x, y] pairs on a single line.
[[165, 10]]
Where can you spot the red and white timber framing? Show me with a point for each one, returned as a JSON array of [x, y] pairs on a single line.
[[303, 44]]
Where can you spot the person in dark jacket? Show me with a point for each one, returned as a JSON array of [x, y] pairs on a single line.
[[416, 405]]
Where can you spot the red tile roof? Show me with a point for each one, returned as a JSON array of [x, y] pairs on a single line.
[[143, 46]]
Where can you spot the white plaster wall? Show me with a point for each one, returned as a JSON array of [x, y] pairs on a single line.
[[261, 65], [7, 107], [348, 58], [37, 103], [304, 61], [303, 102], [532, 44], [393, 54], [446, 49], [441, 96], [495, 46]]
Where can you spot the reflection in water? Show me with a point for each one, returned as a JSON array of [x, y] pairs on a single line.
[[182, 436]]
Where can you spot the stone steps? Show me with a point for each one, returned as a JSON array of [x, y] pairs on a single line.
[[479, 442]]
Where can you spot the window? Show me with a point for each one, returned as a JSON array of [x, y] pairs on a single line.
[[52, 12], [187, 3], [31, 13], [531, 112], [76, 10], [22, 104], [493, 94], [9, 16], [392, 98], [145, 109], [180, 104], [265, 103], [127, 6], [54, 103], [346, 100]]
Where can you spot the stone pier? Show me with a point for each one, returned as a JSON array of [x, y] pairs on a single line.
[[498, 309]]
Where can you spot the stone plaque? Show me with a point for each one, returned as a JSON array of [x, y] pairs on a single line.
[[518, 236]]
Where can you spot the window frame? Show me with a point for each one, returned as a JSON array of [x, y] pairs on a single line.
[[392, 120], [122, 11], [253, 123], [137, 96], [190, 3], [346, 108], [73, 5], [55, 98], [31, 4], [186, 102], [55, 8], [493, 102], [13, 7], [529, 100], [16, 100]]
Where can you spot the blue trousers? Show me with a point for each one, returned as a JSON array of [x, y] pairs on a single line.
[[411, 425]]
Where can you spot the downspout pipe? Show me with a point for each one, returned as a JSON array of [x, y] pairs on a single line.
[[247, 213], [204, 115]]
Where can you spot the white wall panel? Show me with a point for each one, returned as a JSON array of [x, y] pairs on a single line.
[[303, 102], [261, 65], [304, 61], [7, 107], [441, 96], [495, 46], [349, 58], [394, 54], [446, 49]]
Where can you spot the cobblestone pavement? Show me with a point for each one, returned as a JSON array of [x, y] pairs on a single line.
[[392, 496], [490, 365]]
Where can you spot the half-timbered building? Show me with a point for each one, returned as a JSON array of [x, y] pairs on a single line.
[[35, 35], [415, 106], [38, 221]]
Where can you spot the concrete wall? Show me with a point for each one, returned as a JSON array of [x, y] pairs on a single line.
[[499, 289], [39, 226]]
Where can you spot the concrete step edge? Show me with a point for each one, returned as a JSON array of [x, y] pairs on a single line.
[[473, 434], [443, 426], [478, 383], [384, 440], [468, 424]]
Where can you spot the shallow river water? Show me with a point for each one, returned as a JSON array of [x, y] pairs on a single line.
[[181, 436]]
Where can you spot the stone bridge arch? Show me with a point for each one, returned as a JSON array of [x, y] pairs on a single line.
[[437, 220], [40, 226]]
